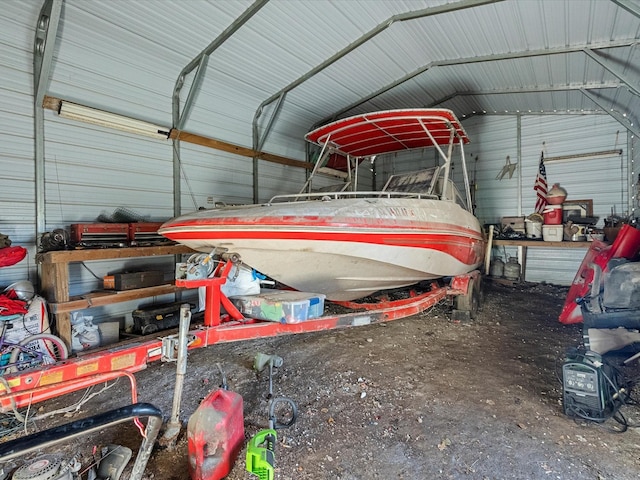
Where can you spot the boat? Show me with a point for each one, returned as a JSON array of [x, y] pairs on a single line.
[[348, 244]]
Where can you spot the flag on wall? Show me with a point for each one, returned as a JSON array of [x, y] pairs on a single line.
[[540, 186]]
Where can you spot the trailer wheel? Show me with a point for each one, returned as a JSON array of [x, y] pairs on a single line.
[[470, 302]]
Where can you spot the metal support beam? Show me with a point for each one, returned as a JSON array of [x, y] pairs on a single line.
[[464, 61], [403, 17], [629, 5], [258, 142], [519, 91], [43, 46], [608, 64], [199, 63], [621, 119]]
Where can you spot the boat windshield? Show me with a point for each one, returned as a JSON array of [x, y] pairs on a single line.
[[422, 181], [389, 132]]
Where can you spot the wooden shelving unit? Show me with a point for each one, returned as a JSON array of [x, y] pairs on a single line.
[[524, 244], [540, 244], [54, 276]]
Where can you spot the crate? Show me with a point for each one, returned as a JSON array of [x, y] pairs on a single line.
[[282, 306]]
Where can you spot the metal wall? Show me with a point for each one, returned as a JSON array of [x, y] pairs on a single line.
[[17, 188], [91, 170], [605, 181]]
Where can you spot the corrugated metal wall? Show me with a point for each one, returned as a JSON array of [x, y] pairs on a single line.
[[604, 181], [91, 170], [17, 188]]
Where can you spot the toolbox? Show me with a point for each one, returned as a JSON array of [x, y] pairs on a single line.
[[116, 234], [150, 319], [284, 306], [132, 280]]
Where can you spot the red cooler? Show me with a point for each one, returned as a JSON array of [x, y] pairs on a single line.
[[552, 215]]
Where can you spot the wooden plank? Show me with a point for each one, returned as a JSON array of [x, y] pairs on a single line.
[[236, 149], [540, 243], [100, 299], [68, 256], [63, 328], [54, 280]]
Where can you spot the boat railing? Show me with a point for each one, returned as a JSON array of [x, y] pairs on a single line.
[[326, 196]]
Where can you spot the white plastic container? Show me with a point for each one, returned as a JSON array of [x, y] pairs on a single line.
[[534, 229], [552, 233]]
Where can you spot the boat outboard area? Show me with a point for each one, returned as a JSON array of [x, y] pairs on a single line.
[[346, 243]]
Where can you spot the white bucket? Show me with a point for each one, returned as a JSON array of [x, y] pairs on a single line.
[[533, 229]]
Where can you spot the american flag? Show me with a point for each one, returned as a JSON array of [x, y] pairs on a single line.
[[540, 186]]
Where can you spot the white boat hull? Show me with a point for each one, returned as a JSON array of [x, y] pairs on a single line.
[[343, 248]]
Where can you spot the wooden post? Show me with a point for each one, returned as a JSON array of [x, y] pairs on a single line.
[[487, 255]]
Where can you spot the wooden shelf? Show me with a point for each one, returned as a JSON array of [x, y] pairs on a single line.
[[102, 298], [54, 276], [540, 243], [88, 254], [523, 244]]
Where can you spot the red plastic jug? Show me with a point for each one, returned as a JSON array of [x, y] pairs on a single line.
[[216, 434]]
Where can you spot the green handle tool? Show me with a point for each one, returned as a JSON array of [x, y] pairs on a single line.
[[260, 454]]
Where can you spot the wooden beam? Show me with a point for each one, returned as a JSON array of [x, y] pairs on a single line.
[[236, 149], [52, 103]]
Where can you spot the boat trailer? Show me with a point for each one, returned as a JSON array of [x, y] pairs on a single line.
[[126, 358]]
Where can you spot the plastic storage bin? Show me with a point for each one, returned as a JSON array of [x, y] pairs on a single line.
[[282, 306]]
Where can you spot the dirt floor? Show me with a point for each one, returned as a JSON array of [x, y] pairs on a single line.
[[417, 398]]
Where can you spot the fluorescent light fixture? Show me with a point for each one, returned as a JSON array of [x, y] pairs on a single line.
[[82, 113], [584, 156]]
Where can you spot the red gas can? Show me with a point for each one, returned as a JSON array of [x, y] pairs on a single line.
[[216, 434]]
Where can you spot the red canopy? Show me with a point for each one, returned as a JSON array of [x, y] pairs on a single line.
[[389, 131]]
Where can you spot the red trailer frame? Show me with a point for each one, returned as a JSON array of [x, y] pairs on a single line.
[[127, 358]]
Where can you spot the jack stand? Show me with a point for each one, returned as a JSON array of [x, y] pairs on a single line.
[[174, 425]]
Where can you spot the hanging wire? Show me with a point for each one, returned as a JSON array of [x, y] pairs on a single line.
[[90, 271]]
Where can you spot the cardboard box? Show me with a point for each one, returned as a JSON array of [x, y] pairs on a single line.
[[515, 223], [132, 280]]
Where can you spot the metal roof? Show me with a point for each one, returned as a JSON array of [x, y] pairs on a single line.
[[329, 59]]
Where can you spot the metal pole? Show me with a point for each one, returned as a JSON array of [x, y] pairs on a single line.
[[151, 433], [43, 47], [173, 425]]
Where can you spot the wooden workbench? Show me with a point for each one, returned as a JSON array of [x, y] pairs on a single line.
[[54, 269], [523, 244]]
